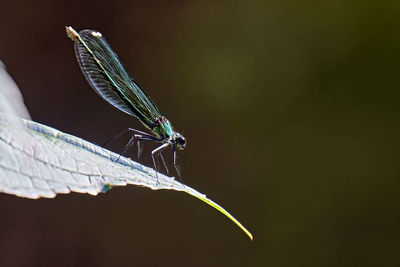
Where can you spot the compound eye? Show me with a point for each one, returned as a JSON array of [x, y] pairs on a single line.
[[181, 141]]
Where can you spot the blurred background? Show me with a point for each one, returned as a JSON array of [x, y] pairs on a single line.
[[291, 113]]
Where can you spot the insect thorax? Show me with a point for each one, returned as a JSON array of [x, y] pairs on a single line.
[[162, 127]]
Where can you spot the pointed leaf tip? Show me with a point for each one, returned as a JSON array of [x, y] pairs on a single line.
[[223, 211]]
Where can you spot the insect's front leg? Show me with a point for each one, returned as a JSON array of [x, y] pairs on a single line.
[[155, 151]]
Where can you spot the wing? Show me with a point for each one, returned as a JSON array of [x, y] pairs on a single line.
[[108, 77]]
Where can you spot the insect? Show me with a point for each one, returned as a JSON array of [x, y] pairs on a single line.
[[107, 76]]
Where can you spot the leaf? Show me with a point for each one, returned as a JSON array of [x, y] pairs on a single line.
[[11, 101], [40, 161]]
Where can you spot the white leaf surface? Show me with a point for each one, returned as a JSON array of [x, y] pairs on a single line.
[[39, 161], [11, 101]]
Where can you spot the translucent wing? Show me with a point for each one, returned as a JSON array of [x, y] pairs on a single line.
[[107, 76]]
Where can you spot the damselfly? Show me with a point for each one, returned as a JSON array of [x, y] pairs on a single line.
[[107, 76]]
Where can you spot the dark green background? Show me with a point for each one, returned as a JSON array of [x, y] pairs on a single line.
[[291, 113]]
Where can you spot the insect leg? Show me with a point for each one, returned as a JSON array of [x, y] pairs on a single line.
[[130, 130], [143, 136], [163, 161], [138, 149], [157, 150], [139, 135], [115, 137], [174, 160], [130, 143]]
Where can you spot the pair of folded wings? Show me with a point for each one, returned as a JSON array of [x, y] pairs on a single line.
[[108, 77]]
